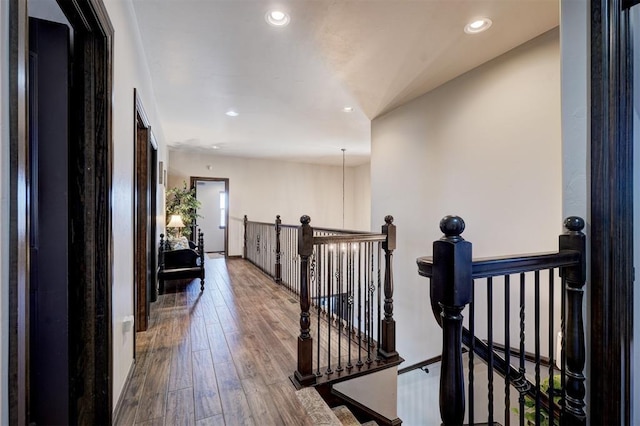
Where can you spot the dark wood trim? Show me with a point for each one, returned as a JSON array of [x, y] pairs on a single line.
[[90, 178], [141, 148], [421, 364], [192, 184], [18, 237], [611, 214], [627, 4]]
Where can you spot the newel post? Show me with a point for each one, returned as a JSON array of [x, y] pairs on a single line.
[[451, 288], [278, 272], [244, 254], [573, 330], [304, 374], [388, 324]]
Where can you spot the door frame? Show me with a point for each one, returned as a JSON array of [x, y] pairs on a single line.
[[193, 180], [611, 209], [90, 243], [145, 190]]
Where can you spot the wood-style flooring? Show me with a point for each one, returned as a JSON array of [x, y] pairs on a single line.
[[220, 357]]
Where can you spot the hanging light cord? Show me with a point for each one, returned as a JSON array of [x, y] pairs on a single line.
[[343, 154]]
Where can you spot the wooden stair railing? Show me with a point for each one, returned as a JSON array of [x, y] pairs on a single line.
[[341, 287], [452, 272], [347, 327]]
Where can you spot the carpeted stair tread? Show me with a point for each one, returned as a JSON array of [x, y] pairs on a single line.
[[316, 408], [370, 423], [345, 416]]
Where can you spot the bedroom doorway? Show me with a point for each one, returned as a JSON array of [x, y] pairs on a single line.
[[145, 249], [213, 194], [60, 207]]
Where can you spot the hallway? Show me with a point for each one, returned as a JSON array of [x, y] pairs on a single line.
[[221, 357]]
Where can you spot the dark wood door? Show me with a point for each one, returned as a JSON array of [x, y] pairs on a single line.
[[145, 216], [49, 374]]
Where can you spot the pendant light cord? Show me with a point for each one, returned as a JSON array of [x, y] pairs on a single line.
[[343, 154]]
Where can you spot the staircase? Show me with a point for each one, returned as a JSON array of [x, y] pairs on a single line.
[[323, 415], [537, 293], [343, 281]]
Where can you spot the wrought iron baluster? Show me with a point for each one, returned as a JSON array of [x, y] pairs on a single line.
[[490, 339], [522, 359], [537, 342], [507, 351]]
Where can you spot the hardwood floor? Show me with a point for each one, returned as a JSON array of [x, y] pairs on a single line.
[[220, 357]]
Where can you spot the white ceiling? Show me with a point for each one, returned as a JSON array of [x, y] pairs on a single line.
[[289, 84]]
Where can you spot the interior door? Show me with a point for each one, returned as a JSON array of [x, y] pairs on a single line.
[[49, 374]]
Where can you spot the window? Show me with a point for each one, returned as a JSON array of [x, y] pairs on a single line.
[[223, 209]]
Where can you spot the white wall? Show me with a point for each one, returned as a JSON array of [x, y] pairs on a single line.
[[4, 212], [361, 198], [485, 146], [262, 189], [130, 71]]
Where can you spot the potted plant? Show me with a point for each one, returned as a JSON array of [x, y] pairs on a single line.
[[530, 404], [183, 202]]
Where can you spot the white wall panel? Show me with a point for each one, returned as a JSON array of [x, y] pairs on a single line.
[[262, 189], [485, 146]]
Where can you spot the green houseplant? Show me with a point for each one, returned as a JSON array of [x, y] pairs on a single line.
[[182, 201], [530, 405]]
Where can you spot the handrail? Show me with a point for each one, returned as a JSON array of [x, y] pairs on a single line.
[[345, 287], [352, 238], [452, 272], [272, 247], [508, 265]]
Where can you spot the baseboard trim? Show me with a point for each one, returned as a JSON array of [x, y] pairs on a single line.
[[125, 389]]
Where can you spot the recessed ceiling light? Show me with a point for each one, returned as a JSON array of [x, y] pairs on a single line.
[[231, 113], [215, 147], [277, 18], [478, 25], [347, 109]]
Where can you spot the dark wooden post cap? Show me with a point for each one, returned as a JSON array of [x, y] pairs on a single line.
[[452, 265], [388, 219], [305, 220], [452, 226], [574, 223]]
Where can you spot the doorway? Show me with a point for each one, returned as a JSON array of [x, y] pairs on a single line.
[[78, 375], [146, 152], [49, 59], [213, 214]]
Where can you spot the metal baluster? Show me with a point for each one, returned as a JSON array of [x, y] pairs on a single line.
[[369, 301], [319, 303], [472, 349], [537, 342], [339, 259], [522, 369], [360, 254], [507, 351], [563, 361], [551, 345], [378, 320], [329, 308], [490, 339]]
